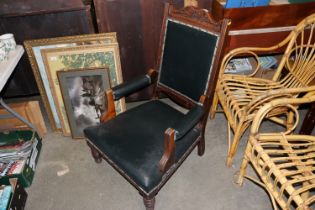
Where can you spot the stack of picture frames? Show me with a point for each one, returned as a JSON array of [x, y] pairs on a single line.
[[72, 74]]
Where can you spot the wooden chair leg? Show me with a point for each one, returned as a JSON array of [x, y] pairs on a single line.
[[201, 146], [96, 155], [236, 140], [214, 106], [149, 203]]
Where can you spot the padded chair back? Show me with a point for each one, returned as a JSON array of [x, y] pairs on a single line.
[[299, 57], [188, 56]]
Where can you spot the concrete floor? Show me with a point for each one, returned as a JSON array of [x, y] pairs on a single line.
[[68, 178]]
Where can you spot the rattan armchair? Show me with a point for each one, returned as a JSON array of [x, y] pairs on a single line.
[[284, 161], [242, 95]]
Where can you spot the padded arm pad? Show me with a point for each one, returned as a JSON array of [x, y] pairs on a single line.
[[184, 125], [128, 88]]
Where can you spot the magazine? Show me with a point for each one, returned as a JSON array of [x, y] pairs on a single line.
[[238, 65], [268, 62]]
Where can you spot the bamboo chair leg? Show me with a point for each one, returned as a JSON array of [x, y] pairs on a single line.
[[214, 106], [236, 140], [290, 120], [244, 165]]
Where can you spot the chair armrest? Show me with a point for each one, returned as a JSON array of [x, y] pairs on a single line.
[[168, 158], [110, 111], [123, 90], [278, 93], [179, 130], [290, 103], [184, 125], [135, 85]]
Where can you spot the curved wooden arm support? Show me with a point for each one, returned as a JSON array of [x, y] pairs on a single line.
[[110, 112], [153, 75], [168, 158]]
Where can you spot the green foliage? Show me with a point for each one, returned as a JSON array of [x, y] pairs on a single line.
[[90, 60]]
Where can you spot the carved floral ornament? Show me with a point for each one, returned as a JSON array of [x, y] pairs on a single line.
[[194, 13]]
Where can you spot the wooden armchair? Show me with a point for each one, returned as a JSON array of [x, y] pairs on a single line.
[[242, 95], [148, 143], [284, 161]]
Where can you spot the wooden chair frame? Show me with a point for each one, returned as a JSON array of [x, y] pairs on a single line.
[[255, 92], [167, 164], [284, 161]]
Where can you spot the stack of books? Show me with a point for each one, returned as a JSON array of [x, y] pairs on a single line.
[[19, 152], [243, 3], [11, 167], [13, 157], [15, 152]]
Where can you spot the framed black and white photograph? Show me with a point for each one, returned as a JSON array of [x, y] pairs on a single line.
[[83, 96]]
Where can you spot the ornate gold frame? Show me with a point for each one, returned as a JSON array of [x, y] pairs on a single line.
[[31, 45], [115, 76]]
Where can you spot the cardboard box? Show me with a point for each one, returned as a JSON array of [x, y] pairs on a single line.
[[24, 170], [30, 110]]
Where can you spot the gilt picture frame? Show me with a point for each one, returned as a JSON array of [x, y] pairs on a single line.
[[83, 96], [33, 49], [81, 57]]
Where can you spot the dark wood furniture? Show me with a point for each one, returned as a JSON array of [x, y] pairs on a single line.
[[132, 142], [33, 19], [309, 121], [261, 26], [138, 26]]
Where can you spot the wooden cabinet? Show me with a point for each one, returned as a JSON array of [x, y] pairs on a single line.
[[261, 26], [33, 19]]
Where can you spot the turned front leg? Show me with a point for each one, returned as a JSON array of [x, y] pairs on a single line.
[[95, 153], [149, 203]]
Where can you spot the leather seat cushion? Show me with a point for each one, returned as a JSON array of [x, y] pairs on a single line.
[[134, 141]]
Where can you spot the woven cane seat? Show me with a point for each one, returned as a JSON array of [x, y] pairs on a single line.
[[239, 90], [285, 163]]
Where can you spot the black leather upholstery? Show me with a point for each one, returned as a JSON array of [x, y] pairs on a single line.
[[188, 121], [128, 88], [187, 59], [134, 141]]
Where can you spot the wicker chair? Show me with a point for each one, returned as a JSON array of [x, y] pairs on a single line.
[[284, 161], [242, 95]]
